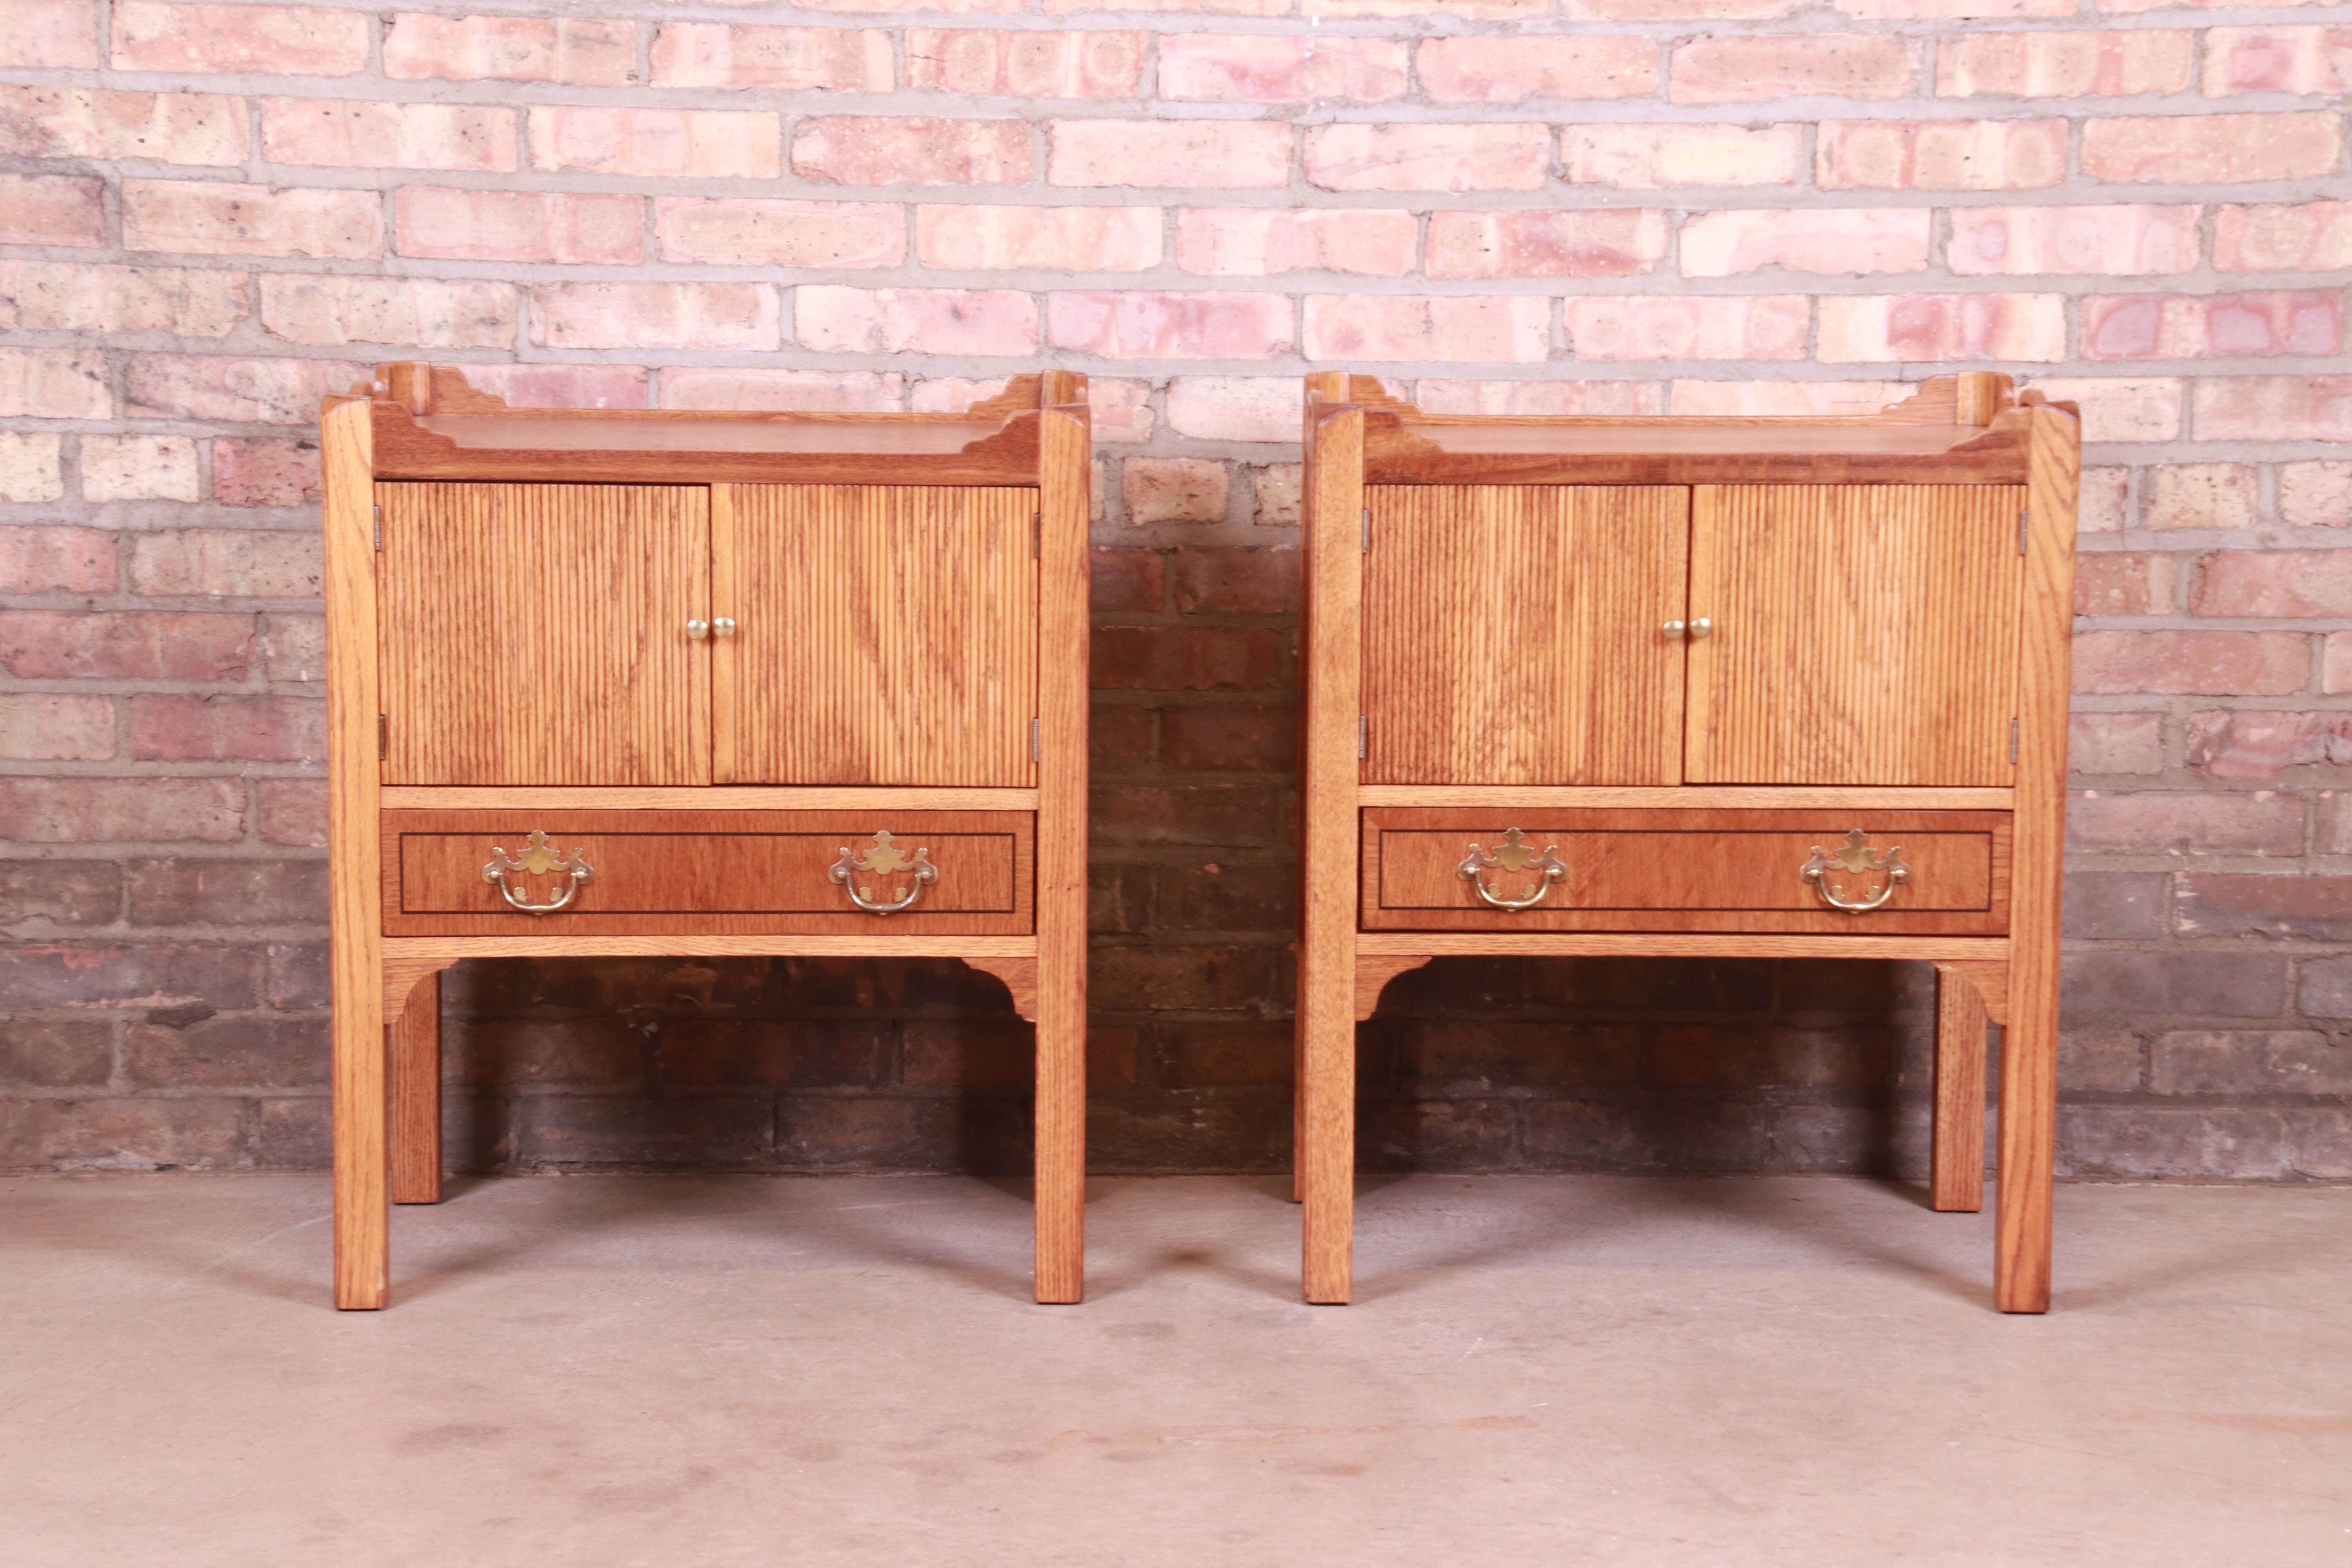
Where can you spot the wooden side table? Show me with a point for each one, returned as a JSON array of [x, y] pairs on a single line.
[[606, 683], [1701, 687]]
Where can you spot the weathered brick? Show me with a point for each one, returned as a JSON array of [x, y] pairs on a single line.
[[1273, 67], [40, 559], [430, 312], [62, 297], [2196, 663], [1230, 740], [1351, 157], [781, 59], [2308, 61], [1214, 1055], [50, 34], [1203, 979], [51, 727], [54, 383], [2245, 743], [2194, 326], [231, 1052], [2309, 237], [2125, 583], [2113, 63], [101, 1133], [99, 810], [575, 51], [1504, 329], [1618, 327], [1444, 396], [162, 127], [2166, 822], [1254, 580], [676, 144], [1142, 324], [2115, 905], [560, 1131], [1785, 397], [2266, 1061], [283, 40], [2099, 743], [215, 217], [856, 149], [30, 470], [2155, 984], [174, 728], [1127, 580], [655, 315], [2332, 823], [1573, 244], [2317, 494], [265, 471], [2284, 584], [1941, 154], [246, 564], [1059, 239], [2185, 149], [1234, 407], [56, 1053], [1484, 69], [520, 225], [1184, 658], [1745, 68], [240, 391], [138, 468], [2207, 1141], [2125, 240], [1002, 63], [2120, 408], [125, 645], [1173, 489], [2103, 499], [2325, 988], [293, 811], [1277, 492], [1652, 157], [821, 390], [1262, 241], [339, 132], [755, 232], [2272, 408], [1830, 241], [52, 209], [1917, 328], [839, 320], [1183, 154]]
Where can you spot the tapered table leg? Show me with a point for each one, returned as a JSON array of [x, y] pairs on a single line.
[[415, 1071]]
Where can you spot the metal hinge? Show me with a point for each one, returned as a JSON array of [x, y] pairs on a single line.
[[2012, 742], [1363, 735], [1368, 531], [1036, 535], [383, 736], [2024, 524], [1036, 745], [379, 527]]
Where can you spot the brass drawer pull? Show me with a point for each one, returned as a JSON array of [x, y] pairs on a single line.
[[537, 859], [881, 859], [1513, 854], [1855, 858]]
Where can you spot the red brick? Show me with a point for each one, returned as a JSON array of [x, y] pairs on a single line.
[[1830, 241], [1174, 489], [2103, 743], [1954, 10], [238, 390], [1273, 67], [50, 34], [695, 144], [2241, 743], [837, 319], [428, 311], [852, 150], [1185, 658], [2125, 583], [50, 727], [137, 644], [578, 52], [1927, 328], [227, 562], [2317, 494], [166, 127], [742, 316], [2128, 240], [1744, 68], [1120, 411], [1002, 63], [1251, 582], [2120, 408], [1542, 397], [1350, 157], [1780, 398], [563, 385], [2158, 822], [1941, 154], [820, 390], [139, 467], [1605, 243], [167, 727], [1484, 69], [283, 40], [1060, 238], [1183, 154], [756, 232], [97, 810], [68, 297], [2311, 236], [222, 220], [2252, 664], [2273, 409], [2178, 149], [1129, 580], [2198, 326], [339, 132], [1149, 325], [2291, 585], [1502, 329], [30, 469], [293, 811], [1255, 242], [1230, 739], [1652, 157], [1625, 327], [2308, 61], [1277, 489], [2101, 501], [520, 225], [781, 59], [52, 209], [36, 559], [1234, 407], [2109, 64], [54, 383]]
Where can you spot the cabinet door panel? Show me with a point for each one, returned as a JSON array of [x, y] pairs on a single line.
[[885, 635], [1512, 635], [536, 634], [1863, 634]]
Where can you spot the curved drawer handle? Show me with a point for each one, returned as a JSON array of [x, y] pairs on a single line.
[[882, 859], [1513, 854], [537, 859], [1856, 858]]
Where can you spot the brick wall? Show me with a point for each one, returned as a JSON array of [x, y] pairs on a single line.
[[210, 214]]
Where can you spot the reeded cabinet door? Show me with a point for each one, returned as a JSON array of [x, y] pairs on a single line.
[[536, 634], [884, 635], [1863, 634], [1513, 634]]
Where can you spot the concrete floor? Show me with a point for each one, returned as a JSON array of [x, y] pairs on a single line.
[[702, 1372]]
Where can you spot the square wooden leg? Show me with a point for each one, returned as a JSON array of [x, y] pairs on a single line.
[[362, 1213], [1062, 1116], [1956, 1168], [1327, 1151], [415, 1073], [2028, 1139]]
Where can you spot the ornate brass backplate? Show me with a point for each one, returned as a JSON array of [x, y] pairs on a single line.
[[539, 858], [1513, 854], [1834, 874], [882, 859]]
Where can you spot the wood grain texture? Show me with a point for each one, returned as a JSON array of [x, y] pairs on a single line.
[[1682, 797], [1861, 636], [1680, 944], [362, 1262], [2029, 1051], [416, 1072], [1955, 1167], [705, 798], [1373, 974], [424, 952], [1064, 563], [889, 635], [1687, 871], [1512, 635], [1020, 977], [1331, 663], [536, 634]]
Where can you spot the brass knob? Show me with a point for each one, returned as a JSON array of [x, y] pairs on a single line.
[[1673, 629], [697, 630], [1701, 626], [720, 626]]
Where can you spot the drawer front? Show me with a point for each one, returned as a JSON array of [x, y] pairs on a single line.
[[737, 873], [1910, 872]]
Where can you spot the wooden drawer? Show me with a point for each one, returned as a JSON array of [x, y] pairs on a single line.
[[729, 873], [1688, 870]]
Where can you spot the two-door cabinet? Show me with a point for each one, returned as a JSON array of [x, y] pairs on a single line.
[[1707, 686], [606, 683]]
